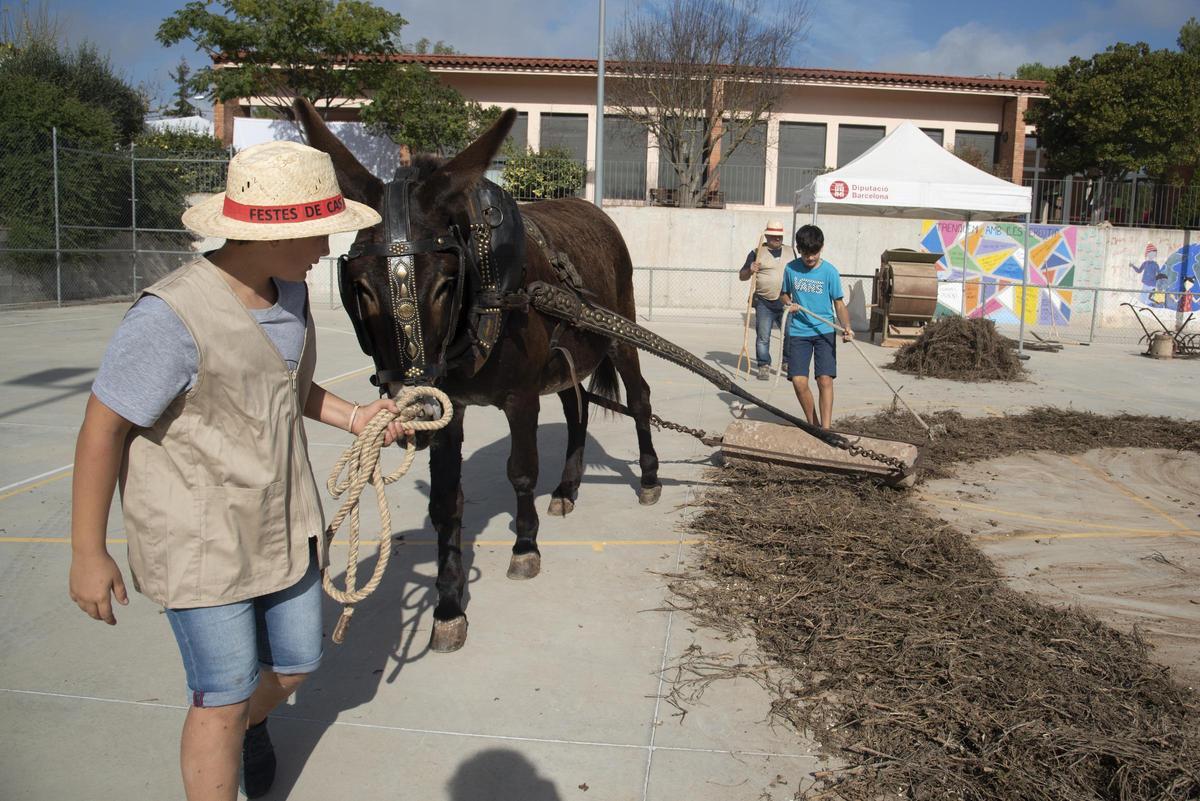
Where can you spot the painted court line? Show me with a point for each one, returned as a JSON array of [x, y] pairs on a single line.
[[595, 545], [1036, 517], [25, 485], [55, 321], [412, 730], [33, 482], [1082, 535], [1133, 496]]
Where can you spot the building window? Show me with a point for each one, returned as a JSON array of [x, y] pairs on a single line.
[[518, 137], [977, 148], [567, 132], [668, 176], [936, 134], [744, 172], [854, 140], [624, 159], [801, 158]]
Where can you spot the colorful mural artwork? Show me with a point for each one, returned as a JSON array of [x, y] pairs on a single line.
[[1172, 283], [981, 271]]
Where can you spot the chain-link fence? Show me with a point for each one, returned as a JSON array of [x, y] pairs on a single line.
[[1140, 203], [1073, 314], [1068, 314], [78, 224]]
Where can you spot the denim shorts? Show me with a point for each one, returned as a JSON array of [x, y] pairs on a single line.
[[223, 646], [820, 349]]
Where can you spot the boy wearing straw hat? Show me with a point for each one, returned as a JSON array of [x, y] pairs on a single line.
[[197, 413], [765, 264]]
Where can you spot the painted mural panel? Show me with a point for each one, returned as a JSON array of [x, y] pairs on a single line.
[[982, 264], [1159, 265]]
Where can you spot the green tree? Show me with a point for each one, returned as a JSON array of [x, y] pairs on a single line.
[[424, 47], [83, 73], [182, 106], [274, 50], [417, 110], [172, 165], [1034, 71], [1129, 108], [30, 108], [1189, 37]]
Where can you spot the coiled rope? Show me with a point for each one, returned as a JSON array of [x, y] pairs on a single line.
[[360, 463]]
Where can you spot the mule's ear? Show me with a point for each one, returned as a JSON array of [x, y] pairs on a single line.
[[355, 180], [461, 172]]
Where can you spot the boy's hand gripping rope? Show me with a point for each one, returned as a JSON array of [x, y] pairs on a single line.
[[361, 464]]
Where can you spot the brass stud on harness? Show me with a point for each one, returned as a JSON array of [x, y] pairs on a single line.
[[406, 311]]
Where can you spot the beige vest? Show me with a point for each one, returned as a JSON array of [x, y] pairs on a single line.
[[218, 495], [769, 278]]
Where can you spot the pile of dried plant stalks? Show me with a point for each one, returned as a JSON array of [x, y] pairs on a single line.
[[897, 646], [960, 349]]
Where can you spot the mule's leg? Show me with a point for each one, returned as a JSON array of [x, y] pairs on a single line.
[[445, 510], [522, 413], [575, 409], [637, 391]]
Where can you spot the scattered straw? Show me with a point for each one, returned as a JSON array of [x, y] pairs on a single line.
[[892, 640]]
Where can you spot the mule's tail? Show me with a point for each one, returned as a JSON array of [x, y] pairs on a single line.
[[604, 381]]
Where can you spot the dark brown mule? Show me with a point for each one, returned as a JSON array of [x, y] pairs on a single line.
[[533, 355]]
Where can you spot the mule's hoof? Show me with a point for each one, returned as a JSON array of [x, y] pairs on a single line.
[[561, 507], [648, 496], [448, 635], [524, 566]]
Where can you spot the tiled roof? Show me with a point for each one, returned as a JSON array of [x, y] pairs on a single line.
[[799, 74]]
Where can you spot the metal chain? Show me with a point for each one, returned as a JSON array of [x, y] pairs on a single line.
[[698, 433], [559, 303]]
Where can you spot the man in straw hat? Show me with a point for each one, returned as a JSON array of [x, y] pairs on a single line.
[[197, 408], [765, 265]]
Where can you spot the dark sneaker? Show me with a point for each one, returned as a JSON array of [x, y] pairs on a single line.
[[258, 761], [764, 372]]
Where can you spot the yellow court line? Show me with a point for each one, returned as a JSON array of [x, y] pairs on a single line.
[[37, 484], [1030, 516], [1127, 492], [595, 545], [1082, 535]]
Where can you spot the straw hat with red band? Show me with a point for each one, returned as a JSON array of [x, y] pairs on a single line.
[[279, 190], [774, 228]]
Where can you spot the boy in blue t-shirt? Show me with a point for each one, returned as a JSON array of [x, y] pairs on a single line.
[[814, 284]]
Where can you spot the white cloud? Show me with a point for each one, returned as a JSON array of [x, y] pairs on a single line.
[[977, 49]]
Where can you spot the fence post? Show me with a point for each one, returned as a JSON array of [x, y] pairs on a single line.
[[57, 241], [133, 214], [1095, 311], [1133, 215], [650, 310]]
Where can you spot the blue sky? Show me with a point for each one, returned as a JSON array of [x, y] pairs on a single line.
[[936, 36]]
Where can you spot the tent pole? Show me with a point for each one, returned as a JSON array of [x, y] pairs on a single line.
[[966, 233], [815, 204], [1024, 291]]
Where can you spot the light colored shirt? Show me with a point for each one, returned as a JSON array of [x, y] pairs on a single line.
[[152, 356]]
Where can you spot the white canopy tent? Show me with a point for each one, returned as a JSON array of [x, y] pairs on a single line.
[[906, 174]]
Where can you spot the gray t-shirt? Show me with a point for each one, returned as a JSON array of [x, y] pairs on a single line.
[[152, 356]]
